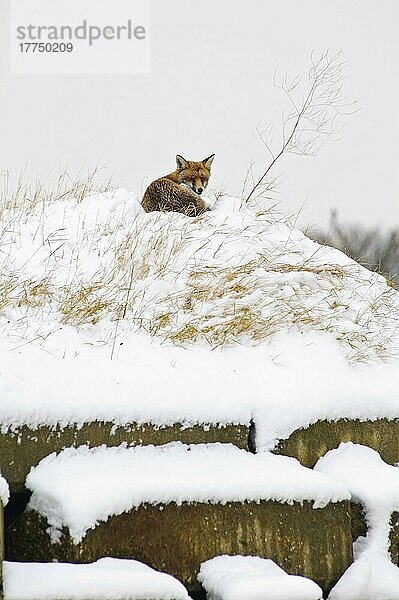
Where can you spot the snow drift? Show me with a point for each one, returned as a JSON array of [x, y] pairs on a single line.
[[106, 579], [253, 578]]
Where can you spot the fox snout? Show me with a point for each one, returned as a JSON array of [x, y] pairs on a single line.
[[198, 188]]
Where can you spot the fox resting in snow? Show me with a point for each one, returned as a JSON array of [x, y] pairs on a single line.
[[180, 191]]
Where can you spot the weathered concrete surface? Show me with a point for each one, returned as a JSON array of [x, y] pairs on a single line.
[[394, 538], [24, 448], [316, 543], [308, 445], [358, 521]]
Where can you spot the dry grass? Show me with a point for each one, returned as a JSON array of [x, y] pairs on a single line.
[[18, 195], [35, 294], [85, 305], [232, 322], [8, 284], [185, 281]]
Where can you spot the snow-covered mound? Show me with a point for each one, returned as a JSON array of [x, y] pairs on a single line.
[[253, 578], [374, 484], [80, 487], [165, 319], [228, 277], [106, 579]]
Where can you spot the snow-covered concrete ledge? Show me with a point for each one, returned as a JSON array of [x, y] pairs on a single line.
[[253, 578], [295, 381], [284, 389], [117, 501], [23, 448], [106, 579], [78, 488]]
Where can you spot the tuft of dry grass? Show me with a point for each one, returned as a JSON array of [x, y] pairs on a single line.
[[85, 304], [35, 294], [8, 284]]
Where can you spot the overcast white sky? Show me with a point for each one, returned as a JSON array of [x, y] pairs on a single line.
[[210, 86]]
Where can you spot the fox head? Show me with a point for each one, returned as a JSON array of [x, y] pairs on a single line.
[[193, 174]]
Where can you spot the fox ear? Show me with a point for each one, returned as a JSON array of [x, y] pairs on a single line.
[[208, 161], [181, 162]]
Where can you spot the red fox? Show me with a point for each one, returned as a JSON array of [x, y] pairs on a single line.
[[180, 191]]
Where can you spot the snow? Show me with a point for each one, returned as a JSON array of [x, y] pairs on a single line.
[[283, 387], [80, 487], [111, 314], [253, 578], [231, 276], [106, 579], [4, 491], [375, 485], [135, 308]]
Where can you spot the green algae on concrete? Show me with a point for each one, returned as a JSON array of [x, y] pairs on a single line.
[[24, 448], [175, 539], [308, 445]]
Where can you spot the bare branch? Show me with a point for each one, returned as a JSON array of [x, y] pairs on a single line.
[[316, 115]]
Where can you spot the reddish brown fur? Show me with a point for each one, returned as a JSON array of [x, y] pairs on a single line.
[[180, 191]]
